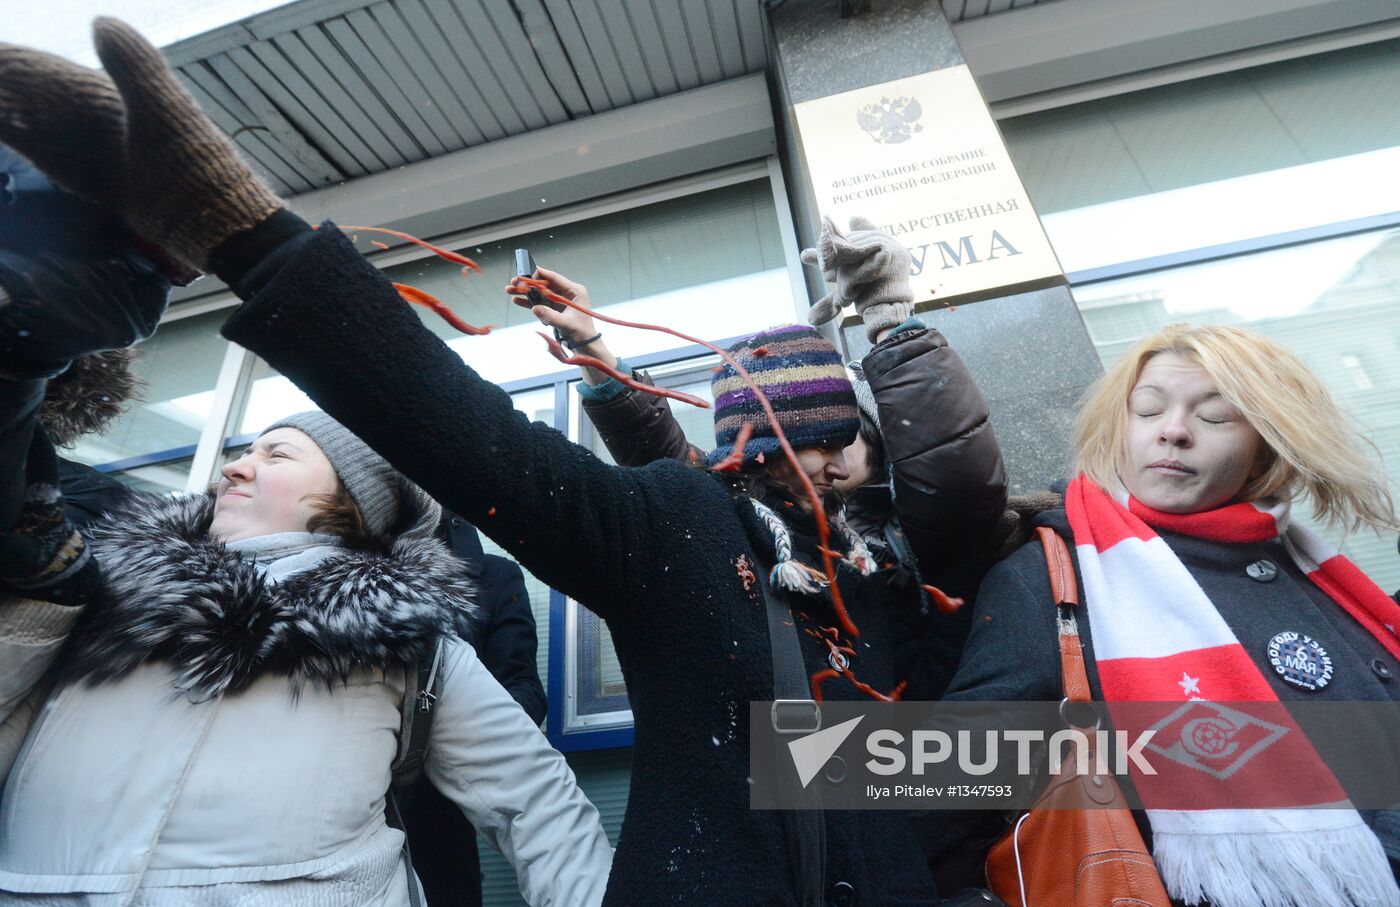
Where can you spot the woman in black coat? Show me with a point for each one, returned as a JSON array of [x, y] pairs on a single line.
[[1197, 587]]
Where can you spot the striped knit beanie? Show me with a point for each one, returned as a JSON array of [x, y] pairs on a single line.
[[801, 374]]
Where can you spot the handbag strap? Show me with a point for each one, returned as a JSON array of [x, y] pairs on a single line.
[[805, 828], [1065, 590]]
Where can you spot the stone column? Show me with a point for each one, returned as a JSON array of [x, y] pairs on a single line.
[[1028, 348]]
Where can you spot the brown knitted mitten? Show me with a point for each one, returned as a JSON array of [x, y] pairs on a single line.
[[66, 118], [187, 188]]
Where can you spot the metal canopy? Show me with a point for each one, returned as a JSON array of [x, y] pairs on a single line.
[[317, 92]]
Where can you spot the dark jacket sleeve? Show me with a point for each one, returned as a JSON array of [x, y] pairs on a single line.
[[335, 326], [1012, 651], [949, 479], [509, 645], [638, 428], [1012, 654]]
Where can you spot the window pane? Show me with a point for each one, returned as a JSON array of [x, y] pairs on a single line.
[[601, 691], [162, 478], [270, 397], [1280, 148], [180, 366], [1314, 108], [1336, 304], [710, 265]]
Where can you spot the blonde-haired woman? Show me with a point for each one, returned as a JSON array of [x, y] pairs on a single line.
[[1195, 585]]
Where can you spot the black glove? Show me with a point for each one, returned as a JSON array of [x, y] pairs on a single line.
[[70, 283], [43, 555]]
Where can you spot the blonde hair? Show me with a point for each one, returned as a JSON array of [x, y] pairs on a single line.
[[1312, 447]]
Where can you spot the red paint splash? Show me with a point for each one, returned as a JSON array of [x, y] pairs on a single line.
[[440, 252], [583, 359], [428, 300], [829, 673], [735, 461], [945, 603], [521, 285]]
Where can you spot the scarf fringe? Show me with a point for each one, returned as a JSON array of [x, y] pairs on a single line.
[[793, 577], [1282, 869]]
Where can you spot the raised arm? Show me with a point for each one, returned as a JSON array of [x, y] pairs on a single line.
[[320, 313], [636, 427], [949, 483], [949, 478], [329, 321]]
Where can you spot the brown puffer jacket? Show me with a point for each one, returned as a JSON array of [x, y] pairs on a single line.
[[947, 480], [638, 428]]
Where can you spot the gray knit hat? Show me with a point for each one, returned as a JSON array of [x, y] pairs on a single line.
[[865, 395], [389, 502]]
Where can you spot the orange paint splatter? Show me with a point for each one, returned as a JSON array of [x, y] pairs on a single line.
[[429, 301], [436, 250], [735, 461], [945, 603]]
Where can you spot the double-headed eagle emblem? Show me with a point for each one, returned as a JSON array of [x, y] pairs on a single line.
[[891, 121]]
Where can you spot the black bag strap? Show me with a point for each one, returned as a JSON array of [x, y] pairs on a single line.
[[794, 711], [416, 720], [415, 730]]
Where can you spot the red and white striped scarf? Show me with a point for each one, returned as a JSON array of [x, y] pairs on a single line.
[[1158, 638]]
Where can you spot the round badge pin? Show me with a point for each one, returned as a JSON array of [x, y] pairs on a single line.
[[1300, 660]]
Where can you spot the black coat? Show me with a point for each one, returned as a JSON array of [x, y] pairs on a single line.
[[443, 842], [87, 493], [1015, 614], [652, 550], [945, 469]]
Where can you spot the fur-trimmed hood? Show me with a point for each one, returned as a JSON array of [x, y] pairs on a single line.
[[175, 595], [86, 398]]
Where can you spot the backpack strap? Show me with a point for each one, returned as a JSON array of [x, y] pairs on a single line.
[[416, 719], [415, 729]]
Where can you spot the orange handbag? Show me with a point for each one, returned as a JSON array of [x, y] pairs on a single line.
[[1078, 846]]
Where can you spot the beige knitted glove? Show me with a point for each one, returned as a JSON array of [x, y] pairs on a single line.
[[869, 268], [135, 143]]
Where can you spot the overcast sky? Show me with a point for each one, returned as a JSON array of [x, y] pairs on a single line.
[[62, 26]]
